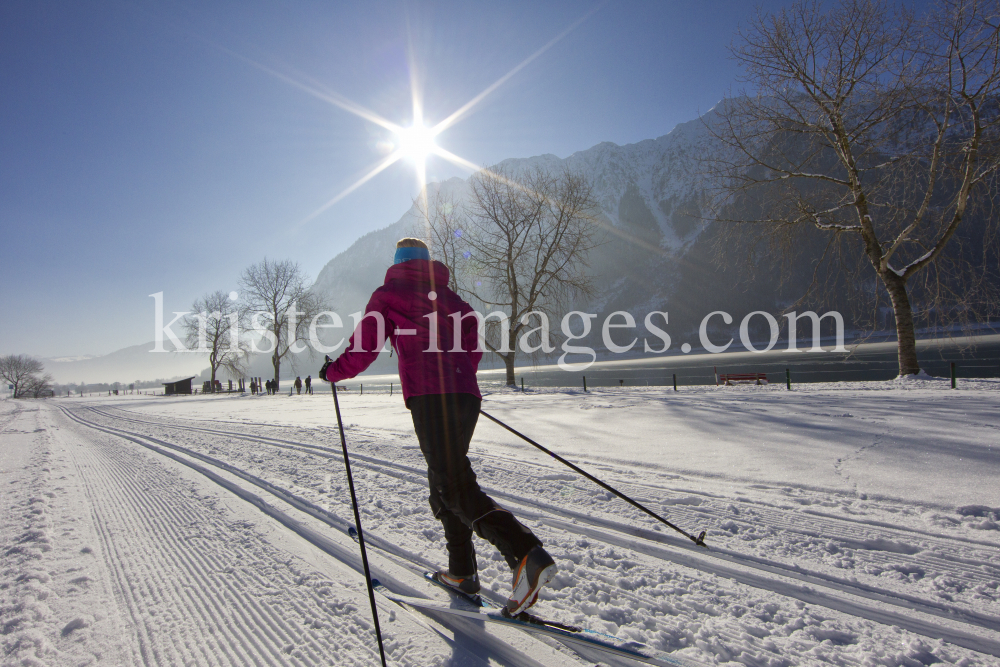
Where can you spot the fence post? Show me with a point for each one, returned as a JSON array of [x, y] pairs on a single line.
[[390, 389], [788, 379], [675, 381], [953, 375], [522, 384], [716, 371], [362, 389], [584, 383]]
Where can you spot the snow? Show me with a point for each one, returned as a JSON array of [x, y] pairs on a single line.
[[849, 524]]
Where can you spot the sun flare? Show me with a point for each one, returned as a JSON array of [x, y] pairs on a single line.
[[416, 142]]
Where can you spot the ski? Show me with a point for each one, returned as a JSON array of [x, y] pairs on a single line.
[[479, 601], [583, 638], [483, 609], [475, 599]]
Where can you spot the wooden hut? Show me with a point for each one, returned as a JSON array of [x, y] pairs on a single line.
[[178, 387]]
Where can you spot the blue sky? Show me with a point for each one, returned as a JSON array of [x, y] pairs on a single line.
[[142, 152]]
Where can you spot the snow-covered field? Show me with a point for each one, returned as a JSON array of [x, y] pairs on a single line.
[[849, 524]]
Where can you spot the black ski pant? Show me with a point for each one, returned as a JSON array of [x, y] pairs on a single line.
[[444, 424]]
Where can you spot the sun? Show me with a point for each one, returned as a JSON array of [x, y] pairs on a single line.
[[416, 142]]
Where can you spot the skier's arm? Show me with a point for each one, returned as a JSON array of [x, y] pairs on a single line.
[[470, 336], [364, 345]]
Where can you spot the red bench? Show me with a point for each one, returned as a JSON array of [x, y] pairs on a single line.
[[728, 379]]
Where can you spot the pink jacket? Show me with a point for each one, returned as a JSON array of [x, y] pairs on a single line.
[[404, 302]]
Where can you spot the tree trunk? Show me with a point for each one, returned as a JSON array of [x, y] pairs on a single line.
[[276, 362], [905, 336], [214, 366], [508, 361]]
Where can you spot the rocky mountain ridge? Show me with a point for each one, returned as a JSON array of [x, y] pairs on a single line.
[[650, 193]]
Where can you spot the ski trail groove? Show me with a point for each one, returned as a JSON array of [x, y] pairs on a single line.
[[119, 512], [136, 504]]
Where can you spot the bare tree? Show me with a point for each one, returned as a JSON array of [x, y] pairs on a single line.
[[21, 371], [878, 129], [37, 386], [278, 305], [523, 249], [444, 224], [215, 329]]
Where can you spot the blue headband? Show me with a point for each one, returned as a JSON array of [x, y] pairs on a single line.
[[406, 254]]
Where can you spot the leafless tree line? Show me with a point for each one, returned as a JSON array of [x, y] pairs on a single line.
[[271, 314], [517, 247], [880, 129]]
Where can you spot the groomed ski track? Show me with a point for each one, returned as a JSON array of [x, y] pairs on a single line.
[[233, 625], [954, 623]]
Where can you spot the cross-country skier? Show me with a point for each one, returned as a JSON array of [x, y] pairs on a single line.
[[437, 370]]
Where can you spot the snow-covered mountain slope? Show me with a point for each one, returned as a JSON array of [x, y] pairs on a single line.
[[651, 194], [127, 365], [348, 279], [664, 172]]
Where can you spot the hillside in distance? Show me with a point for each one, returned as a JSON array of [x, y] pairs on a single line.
[[651, 197], [127, 365]]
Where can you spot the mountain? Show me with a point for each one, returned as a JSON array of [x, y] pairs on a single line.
[[658, 178], [126, 365], [651, 197], [659, 251], [348, 279]]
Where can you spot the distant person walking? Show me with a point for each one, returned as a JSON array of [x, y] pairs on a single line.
[[298, 385], [253, 387], [309, 384], [421, 314]]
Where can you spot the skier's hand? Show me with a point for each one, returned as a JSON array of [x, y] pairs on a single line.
[[322, 371]]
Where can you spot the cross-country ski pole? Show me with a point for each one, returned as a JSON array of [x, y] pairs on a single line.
[[357, 524], [699, 540]]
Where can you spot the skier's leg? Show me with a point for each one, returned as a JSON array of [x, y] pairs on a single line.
[[458, 536], [493, 523], [444, 426]]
